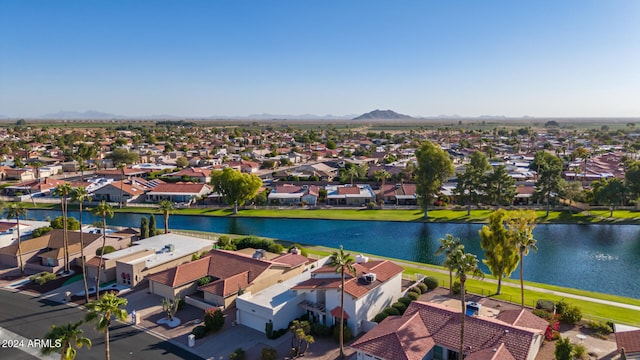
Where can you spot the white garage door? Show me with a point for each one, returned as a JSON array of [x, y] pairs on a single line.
[[253, 321]]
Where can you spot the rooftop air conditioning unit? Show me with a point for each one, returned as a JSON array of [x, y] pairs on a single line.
[[371, 277], [360, 259]]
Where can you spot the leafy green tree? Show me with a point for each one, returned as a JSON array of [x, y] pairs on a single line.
[[570, 190], [434, 166], [632, 178], [144, 228], [153, 231], [80, 195], [301, 338], [549, 169], [63, 191], [500, 188], [463, 264], [609, 192], [343, 263], [500, 249], [65, 339], [166, 207], [235, 187], [182, 162], [15, 210], [471, 182], [102, 311], [123, 156], [521, 224], [72, 223], [448, 244], [564, 348], [103, 210]]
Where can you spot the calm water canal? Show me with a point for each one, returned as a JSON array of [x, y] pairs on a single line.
[[603, 258]]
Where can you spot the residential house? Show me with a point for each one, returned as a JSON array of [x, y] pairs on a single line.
[[117, 174], [200, 175], [20, 174], [286, 194], [399, 194], [35, 188], [114, 191], [180, 192], [629, 340], [148, 256], [351, 195], [229, 272], [432, 331]]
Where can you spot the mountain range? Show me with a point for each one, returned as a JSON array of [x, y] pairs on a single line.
[[382, 115]]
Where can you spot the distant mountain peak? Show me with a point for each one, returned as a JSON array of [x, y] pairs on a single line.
[[382, 115]]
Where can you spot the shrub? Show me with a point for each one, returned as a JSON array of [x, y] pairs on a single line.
[[346, 336], [107, 249], [320, 330], [303, 251], [555, 335], [416, 290], [199, 331], [547, 305], [400, 306], [572, 314], [381, 316], [41, 231], [180, 302], [413, 295], [431, 283], [269, 353], [213, 319], [423, 288], [543, 314], [579, 351], [456, 288], [204, 280], [405, 300], [564, 348], [561, 306], [600, 328], [237, 354], [391, 311], [42, 278], [268, 329], [280, 332]]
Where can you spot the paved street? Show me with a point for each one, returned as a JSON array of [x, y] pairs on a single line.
[[32, 317]]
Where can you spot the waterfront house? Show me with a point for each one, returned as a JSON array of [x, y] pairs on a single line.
[[179, 193], [351, 195], [286, 194]]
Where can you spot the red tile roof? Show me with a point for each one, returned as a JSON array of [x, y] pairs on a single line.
[[397, 338], [335, 312], [290, 259], [629, 340], [523, 318], [180, 188], [499, 353], [348, 190]]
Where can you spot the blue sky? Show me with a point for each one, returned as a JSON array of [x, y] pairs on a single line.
[[542, 58]]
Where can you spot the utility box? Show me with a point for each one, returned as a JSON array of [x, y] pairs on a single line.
[[192, 340]]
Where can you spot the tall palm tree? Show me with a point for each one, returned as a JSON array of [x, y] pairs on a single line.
[[342, 262], [66, 339], [463, 264], [166, 207], [80, 195], [382, 176], [15, 210], [63, 191], [102, 311], [447, 245], [103, 210], [521, 226], [353, 171], [121, 167]]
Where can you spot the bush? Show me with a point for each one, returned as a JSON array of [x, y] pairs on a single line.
[[561, 307], [41, 231], [204, 280], [564, 348], [456, 288], [381, 316], [580, 351], [413, 295], [547, 305], [400, 306], [238, 354], [280, 332], [42, 278], [346, 336], [555, 335], [213, 319], [600, 328], [258, 243], [543, 314], [431, 283], [303, 251], [107, 249], [320, 330], [572, 314], [405, 300], [268, 329], [269, 353], [199, 331], [416, 290], [423, 288], [391, 311]]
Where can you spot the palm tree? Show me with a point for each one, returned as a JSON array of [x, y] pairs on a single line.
[[341, 262], [382, 176], [166, 207], [121, 167], [103, 210], [463, 264], [15, 210], [447, 245], [66, 339], [63, 191], [353, 171], [101, 311], [80, 195], [521, 226]]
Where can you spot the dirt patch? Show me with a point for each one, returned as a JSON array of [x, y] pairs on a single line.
[[49, 285]]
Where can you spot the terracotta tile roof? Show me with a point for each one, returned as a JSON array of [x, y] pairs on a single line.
[[629, 340], [94, 261], [499, 353], [182, 274], [126, 187], [481, 333], [59, 252], [57, 238], [27, 246], [4, 225], [289, 259], [523, 318], [193, 172], [335, 312], [127, 171], [348, 190], [397, 338], [180, 188], [227, 286]]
